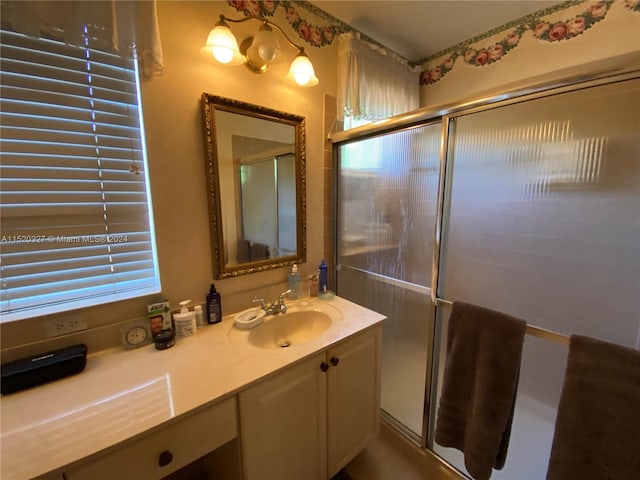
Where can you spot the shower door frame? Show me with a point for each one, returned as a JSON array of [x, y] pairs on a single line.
[[446, 114]]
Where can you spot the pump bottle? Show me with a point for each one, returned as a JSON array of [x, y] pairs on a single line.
[[185, 321]]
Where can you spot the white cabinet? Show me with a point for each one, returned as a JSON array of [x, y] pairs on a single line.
[[164, 451], [283, 424], [310, 420], [353, 398]]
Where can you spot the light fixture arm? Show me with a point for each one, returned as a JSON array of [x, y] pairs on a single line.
[[257, 52], [268, 22]]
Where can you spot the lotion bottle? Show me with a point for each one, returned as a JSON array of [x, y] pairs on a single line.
[[199, 316], [214, 306], [185, 321]]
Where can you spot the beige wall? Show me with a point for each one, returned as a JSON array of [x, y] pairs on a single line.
[[176, 154], [175, 145], [611, 43]]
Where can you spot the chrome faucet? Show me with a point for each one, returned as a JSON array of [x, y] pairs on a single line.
[[274, 308]]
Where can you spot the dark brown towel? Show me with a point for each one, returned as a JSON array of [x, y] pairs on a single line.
[[479, 388], [597, 433]]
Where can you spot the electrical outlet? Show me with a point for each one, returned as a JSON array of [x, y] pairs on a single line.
[[63, 326]]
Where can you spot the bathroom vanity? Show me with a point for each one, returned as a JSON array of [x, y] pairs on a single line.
[[311, 419], [303, 411]]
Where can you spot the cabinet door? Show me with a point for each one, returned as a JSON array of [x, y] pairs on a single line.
[[283, 425], [353, 397]]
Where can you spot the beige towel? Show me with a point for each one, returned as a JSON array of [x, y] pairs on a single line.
[[597, 433], [480, 382]]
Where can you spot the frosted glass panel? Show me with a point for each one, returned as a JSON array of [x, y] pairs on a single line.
[[387, 196], [542, 221], [387, 200], [404, 341], [544, 214]]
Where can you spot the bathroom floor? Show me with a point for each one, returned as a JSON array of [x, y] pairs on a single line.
[[389, 457]]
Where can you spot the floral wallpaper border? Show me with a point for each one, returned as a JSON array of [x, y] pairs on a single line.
[[312, 34], [542, 30], [322, 35]]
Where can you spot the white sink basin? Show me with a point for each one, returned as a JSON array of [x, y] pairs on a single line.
[[299, 325], [290, 329]]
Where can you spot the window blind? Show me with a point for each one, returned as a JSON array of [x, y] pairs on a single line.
[[76, 224]]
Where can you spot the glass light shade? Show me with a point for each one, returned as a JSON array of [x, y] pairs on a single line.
[[223, 46], [266, 43], [301, 71]]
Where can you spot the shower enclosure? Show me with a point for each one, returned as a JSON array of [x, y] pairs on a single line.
[[529, 206]]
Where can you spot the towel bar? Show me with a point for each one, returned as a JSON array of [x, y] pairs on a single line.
[[532, 330]]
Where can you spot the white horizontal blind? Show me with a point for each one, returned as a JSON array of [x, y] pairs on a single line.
[[76, 224]]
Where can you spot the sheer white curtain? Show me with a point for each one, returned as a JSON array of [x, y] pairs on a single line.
[[114, 25], [373, 83]]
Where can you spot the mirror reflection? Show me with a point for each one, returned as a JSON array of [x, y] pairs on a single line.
[[255, 159]]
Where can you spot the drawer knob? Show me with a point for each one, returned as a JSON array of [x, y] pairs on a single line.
[[324, 366], [334, 361], [165, 458]]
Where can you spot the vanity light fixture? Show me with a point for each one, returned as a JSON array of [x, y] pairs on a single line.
[[257, 53]]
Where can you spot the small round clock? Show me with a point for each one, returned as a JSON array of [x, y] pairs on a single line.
[[135, 334]]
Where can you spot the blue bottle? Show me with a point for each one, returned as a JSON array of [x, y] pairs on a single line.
[[323, 279]]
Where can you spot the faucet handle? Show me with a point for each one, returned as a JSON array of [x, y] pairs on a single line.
[[282, 308], [263, 305]]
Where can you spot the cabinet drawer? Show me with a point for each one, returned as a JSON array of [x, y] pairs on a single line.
[[187, 440]]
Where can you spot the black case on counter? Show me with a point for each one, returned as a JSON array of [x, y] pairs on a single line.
[[43, 368]]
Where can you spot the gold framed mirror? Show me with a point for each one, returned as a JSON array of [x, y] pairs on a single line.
[[255, 160]]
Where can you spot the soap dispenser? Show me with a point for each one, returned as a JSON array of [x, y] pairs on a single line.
[[294, 283], [185, 321]]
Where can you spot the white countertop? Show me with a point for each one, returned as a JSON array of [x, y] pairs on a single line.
[[122, 394]]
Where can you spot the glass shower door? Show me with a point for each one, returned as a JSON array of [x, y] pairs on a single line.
[[387, 201], [542, 222]]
